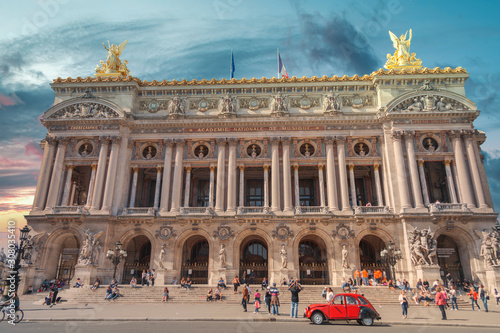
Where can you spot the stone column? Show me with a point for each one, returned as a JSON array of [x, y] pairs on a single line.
[[55, 180], [111, 176], [331, 186], [412, 163], [344, 189], [176, 186], [221, 166], [231, 176], [275, 174], [462, 175], [474, 168], [44, 176], [423, 182], [321, 186], [67, 186], [266, 186], [120, 194], [90, 192], [187, 186], [167, 171], [296, 185], [449, 181], [378, 186], [242, 185], [211, 187], [157, 188], [354, 198], [101, 169], [133, 189], [404, 194], [287, 179]]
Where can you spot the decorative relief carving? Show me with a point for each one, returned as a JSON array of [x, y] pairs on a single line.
[[282, 232], [227, 106], [254, 103], [304, 102], [166, 232], [430, 102], [203, 104], [343, 232], [357, 101], [423, 247], [223, 232], [331, 103], [90, 249], [279, 105], [85, 110], [176, 108], [153, 105]]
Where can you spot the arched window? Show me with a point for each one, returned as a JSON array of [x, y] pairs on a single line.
[[199, 252], [255, 251]]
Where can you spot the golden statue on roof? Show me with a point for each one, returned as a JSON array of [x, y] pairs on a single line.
[[113, 66], [402, 58]]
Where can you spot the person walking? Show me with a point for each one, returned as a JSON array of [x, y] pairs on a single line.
[[441, 301], [329, 295], [267, 299], [143, 277], [257, 301], [473, 298], [153, 277], [357, 277], [483, 296], [295, 289], [453, 297], [497, 295], [236, 284], [275, 301], [404, 303], [244, 299]]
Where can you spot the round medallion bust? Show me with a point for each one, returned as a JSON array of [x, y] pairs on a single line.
[[254, 150], [201, 151], [85, 149], [306, 150], [149, 152], [430, 144], [361, 149], [305, 103]]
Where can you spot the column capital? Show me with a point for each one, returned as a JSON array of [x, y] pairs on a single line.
[[159, 169], [232, 142], [168, 142], [467, 134], [396, 135], [242, 167], [351, 167], [94, 167], [188, 169], [340, 139], [409, 134], [104, 139], [447, 163], [115, 139], [454, 135], [51, 140], [70, 167], [420, 163], [130, 144], [320, 167], [212, 168], [274, 140], [285, 140], [180, 142], [329, 140], [296, 167], [376, 166], [64, 140], [220, 141], [266, 167], [136, 169]]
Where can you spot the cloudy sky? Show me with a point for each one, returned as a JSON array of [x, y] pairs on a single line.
[[42, 40]]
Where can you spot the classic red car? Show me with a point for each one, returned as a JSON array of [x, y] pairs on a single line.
[[346, 306]]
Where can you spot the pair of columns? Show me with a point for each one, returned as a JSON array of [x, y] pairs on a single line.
[[231, 176]]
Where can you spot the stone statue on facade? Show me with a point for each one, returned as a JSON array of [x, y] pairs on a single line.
[[402, 58], [222, 255], [113, 66], [345, 259], [90, 249], [284, 256], [227, 105], [490, 250], [423, 247], [163, 255], [279, 103], [3, 257], [331, 103], [176, 107], [32, 249]]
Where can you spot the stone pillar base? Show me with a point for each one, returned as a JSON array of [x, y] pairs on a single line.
[[87, 275], [492, 277], [216, 275], [431, 273], [27, 275]]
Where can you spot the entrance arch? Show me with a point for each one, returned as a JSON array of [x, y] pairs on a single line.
[[449, 258], [369, 254], [254, 259], [62, 256], [138, 258], [195, 256], [313, 261]]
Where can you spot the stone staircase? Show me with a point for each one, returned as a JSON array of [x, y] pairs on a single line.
[[378, 296]]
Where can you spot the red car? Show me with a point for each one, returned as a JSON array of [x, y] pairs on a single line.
[[343, 307]]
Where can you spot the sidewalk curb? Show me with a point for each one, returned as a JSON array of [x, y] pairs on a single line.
[[379, 323]]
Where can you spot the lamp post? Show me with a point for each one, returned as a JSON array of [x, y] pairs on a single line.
[[391, 256], [21, 254], [116, 256]]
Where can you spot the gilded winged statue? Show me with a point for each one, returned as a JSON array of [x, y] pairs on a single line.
[[113, 66], [402, 58]]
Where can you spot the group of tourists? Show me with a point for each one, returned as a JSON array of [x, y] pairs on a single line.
[[148, 278]]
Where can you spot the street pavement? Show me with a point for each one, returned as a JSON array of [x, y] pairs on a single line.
[[114, 311]]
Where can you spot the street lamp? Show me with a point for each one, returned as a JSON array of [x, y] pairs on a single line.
[[21, 254], [391, 256], [116, 256]]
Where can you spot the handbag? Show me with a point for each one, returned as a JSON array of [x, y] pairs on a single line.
[[488, 298]]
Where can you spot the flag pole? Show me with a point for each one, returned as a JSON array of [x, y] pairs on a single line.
[[231, 65], [278, 63]]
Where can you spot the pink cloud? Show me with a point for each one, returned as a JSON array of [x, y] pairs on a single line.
[[8, 163], [6, 100], [33, 149]]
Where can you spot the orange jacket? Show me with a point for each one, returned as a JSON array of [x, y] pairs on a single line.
[[365, 273], [356, 274]]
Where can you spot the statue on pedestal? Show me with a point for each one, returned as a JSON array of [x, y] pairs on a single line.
[[423, 247], [284, 256], [222, 255], [402, 57], [163, 255], [113, 66], [345, 259], [90, 249]]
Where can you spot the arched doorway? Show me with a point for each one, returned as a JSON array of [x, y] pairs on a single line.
[[62, 257], [369, 255], [313, 261], [254, 258], [449, 258], [138, 258], [195, 255]]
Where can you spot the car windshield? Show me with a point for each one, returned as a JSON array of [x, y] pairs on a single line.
[[362, 301]]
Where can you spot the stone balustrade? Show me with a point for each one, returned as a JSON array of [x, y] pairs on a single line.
[[372, 210], [69, 210], [448, 207]]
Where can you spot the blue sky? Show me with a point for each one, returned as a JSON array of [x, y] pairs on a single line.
[[41, 40]]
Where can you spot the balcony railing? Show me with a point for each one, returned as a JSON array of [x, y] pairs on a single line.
[[311, 210], [196, 210], [372, 210], [244, 210], [149, 211], [69, 210], [448, 207]]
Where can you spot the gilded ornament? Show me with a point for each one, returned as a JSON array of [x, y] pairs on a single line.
[[113, 66], [402, 58]]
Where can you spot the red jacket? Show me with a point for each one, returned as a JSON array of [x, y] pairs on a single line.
[[441, 298]]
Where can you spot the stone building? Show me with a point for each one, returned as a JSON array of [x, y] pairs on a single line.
[[216, 178]]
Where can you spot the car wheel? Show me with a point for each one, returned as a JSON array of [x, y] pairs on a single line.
[[367, 321], [317, 318]]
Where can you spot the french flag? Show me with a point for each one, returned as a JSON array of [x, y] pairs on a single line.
[[281, 67]]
